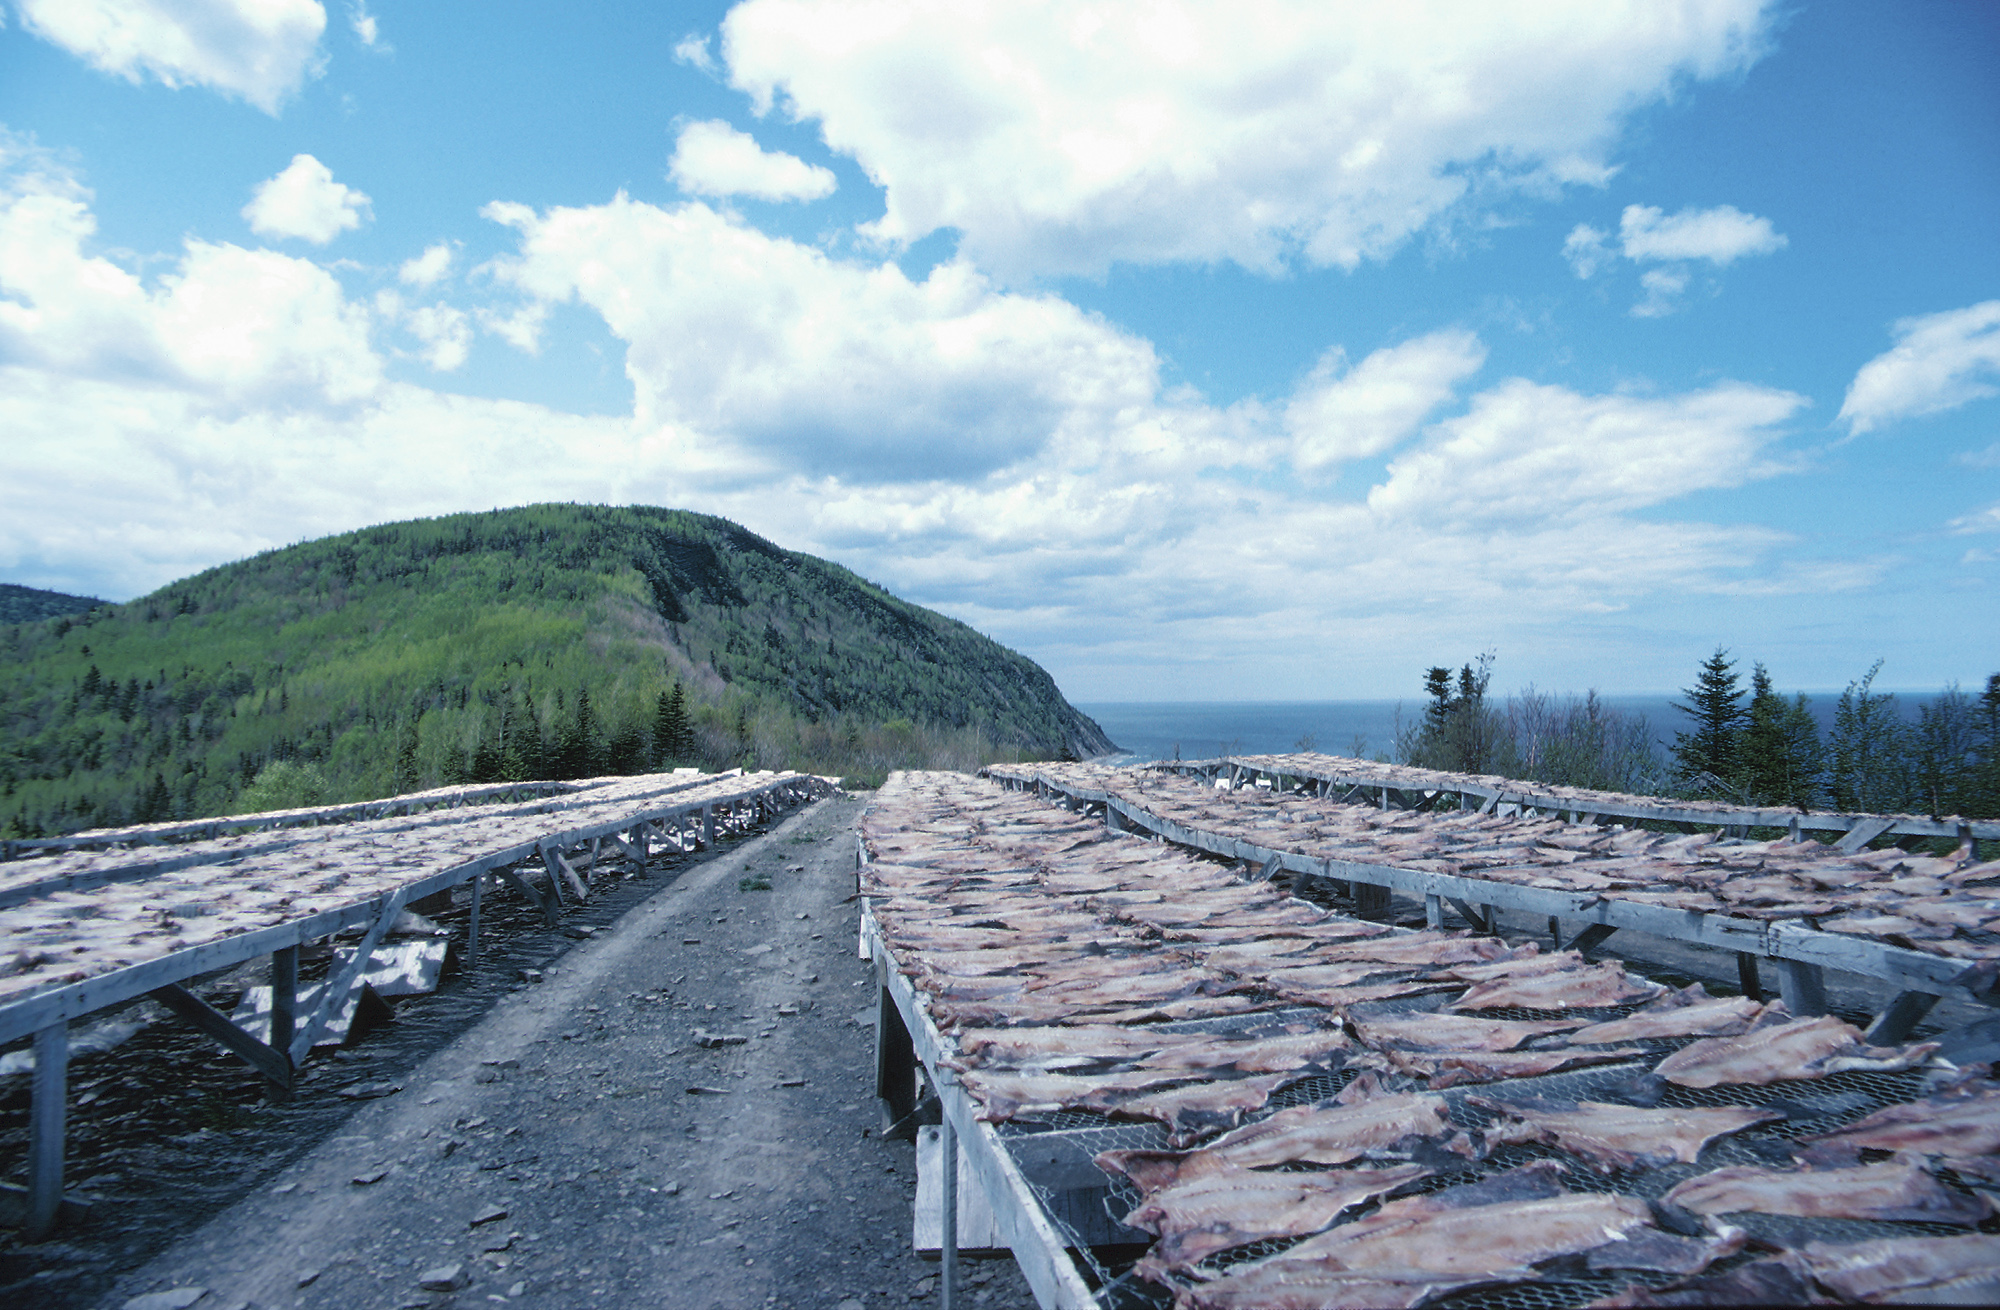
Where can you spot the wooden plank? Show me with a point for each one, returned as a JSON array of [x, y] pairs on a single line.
[[895, 1068], [340, 982], [1803, 987], [47, 1110], [1591, 938], [1748, 977], [284, 1002], [948, 1225], [1862, 833], [977, 1230], [1893, 1026], [275, 1065]]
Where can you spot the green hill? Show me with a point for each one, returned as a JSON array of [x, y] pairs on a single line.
[[20, 604], [525, 643]]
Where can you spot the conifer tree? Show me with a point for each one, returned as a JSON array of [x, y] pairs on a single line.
[[1709, 756], [1866, 748]]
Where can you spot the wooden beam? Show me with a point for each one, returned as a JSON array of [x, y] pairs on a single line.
[[1590, 938], [1893, 1026], [1804, 988], [547, 904], [341, 982], [47, 1110], [1748, 976], [948, 1235], [274, 1064], [1867, 830]]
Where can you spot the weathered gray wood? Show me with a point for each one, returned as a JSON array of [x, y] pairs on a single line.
[[1862, 833], [533, 895], [1803, 987], [1748, 976], [1433, 910], [1472, 915], [1271, 867], [895, 1068], [341, 981], [1591, 938], [948, 1234], [472, 926], [48, 1109], [561, 873], [284, 1007], [1893, 1026], [273, 1064]]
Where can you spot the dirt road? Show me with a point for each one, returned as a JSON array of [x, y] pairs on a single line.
[[579, 1146]]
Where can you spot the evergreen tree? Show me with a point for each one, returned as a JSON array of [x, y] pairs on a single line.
[[1944, 754], [673, 731], [408, 740], [1986, 746], [1708, 757], [580, 754], [1867, 748]]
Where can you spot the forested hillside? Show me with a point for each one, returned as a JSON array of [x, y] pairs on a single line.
[[26, 604], [549, 641]]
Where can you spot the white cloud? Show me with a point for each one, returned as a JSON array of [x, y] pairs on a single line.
[[714, 159], [241, 326], [1988, 458], [259, 50], [305, 202], [844, 367], [1585, 250], [1980, 520], [1528, 453], [693, 51], [1062, 139], [428, 268], [1939, 362], [1663, 288], [446, 333], [1380, 401], [365, 27], [1721, 235]]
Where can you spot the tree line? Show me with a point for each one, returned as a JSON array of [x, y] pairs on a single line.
[[1749, 745]]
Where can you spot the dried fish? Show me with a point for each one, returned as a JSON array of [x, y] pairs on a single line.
[[1668, 1253], [1890, 1190], [1598, 985], [1619, 1136], [1214, 1205], [1452, 1068], [1959, 1127], [1322, 1134], [1194, 1110], [1457, 1032], [1953, 1270], [1778, 1047], [1761, 1282], [1691, 1012]]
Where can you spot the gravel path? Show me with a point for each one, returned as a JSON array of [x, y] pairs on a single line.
[[579, 1147]]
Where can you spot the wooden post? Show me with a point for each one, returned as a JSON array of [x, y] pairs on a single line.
[[472, 928], [46, 1113], [284, 1010], [895, 1067], [1804, 988], [708, 826], [1433, 910], [1894, 1025], [1748, 977], [948, 1243]]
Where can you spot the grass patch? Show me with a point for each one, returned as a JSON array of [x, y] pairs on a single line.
[[755, 883]]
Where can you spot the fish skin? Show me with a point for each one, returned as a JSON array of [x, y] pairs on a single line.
[[1597, 985], [1433, 1032], [1280, 1053], [1963, 1126], [1668, 1253], [1215, 1205], [1891, 1190], [1332, 1289], [1620, 1136], [1708, 1017], [1014, 1046], [1335, 1134], [1004, 1095], [1761, 1282], [1453, 1068], [1780, 1048], [1195, 1110], [1893, 1268]]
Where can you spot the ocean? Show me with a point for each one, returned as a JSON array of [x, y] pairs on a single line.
[[1157, 730]]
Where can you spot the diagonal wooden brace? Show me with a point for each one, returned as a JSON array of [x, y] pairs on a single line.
[[340, 983], [274, 1064], [550, 904], [560, 870]]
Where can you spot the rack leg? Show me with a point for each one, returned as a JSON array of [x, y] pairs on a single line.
[[45, 1130], [948, 1238]]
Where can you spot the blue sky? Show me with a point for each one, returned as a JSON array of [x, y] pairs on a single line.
[[1255, 351]]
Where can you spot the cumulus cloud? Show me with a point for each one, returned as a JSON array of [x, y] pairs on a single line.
[[1366, 410], [305, 202], [1060, 140], [244, 326], [1585, 250], [1527, 453], [260, 51], [1663, 287], [365, 27], [428, 268], [714, 159], [1721, 235], [844, 366], [692, 50], [446, 333], [1939, 362]]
